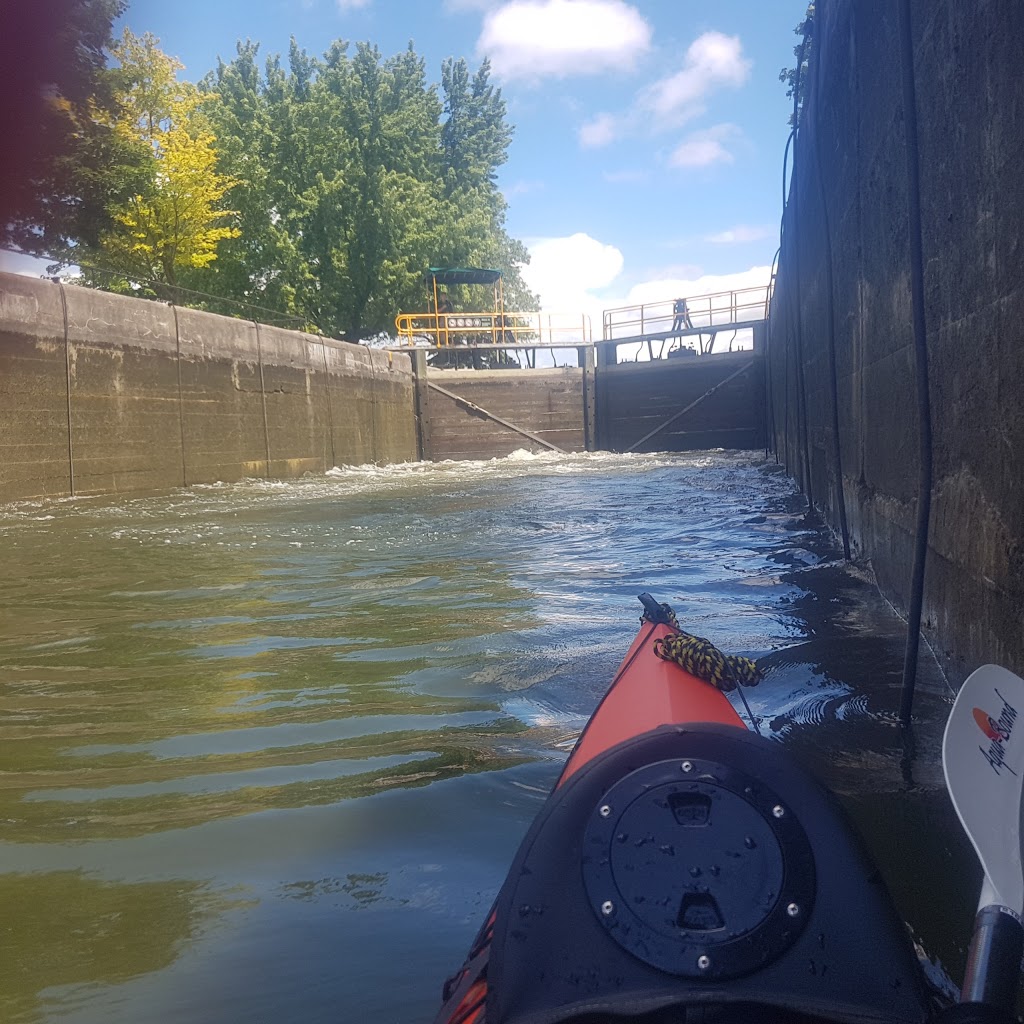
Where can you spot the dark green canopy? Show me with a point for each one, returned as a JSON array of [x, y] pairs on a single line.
[[462, 275]]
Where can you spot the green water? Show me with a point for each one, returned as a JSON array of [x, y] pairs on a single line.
[[266, 750]]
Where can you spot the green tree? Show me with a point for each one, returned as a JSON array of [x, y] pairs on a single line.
[[176, 221], [475, 141], [475, 137], [802, 51], [253, 118], [347, 188]]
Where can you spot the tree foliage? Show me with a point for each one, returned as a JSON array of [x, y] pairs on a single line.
[[319, 187], [796, 77], [176, 220], [63, 165], [354, 176]]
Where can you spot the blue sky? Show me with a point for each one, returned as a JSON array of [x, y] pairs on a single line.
[[649, 134]]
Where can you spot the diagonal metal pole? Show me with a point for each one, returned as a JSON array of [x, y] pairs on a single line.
[[497, 419]]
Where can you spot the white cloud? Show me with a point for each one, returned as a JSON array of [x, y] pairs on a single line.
[[667, 284], [659, 290], [577, 274], [532, 39], [598, 131], [351, 5], [713, 60], [566, 272], [741, 233], [705, 148]]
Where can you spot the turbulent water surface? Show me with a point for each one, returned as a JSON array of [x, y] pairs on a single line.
[[266, 750]]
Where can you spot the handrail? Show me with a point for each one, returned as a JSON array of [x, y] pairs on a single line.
[[509, 330], [710, 313], [716, 311]]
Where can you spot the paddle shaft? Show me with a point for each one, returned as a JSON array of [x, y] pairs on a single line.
[[993, 960]]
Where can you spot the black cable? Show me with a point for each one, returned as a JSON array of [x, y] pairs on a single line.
[[298, 320], [786, 344], [801, 403], [785, 361], [785, 194], [769, 384], [924, 415], [750, 714], [829, 290], [786, 404]]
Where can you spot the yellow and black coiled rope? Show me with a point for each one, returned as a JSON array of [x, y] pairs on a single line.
[[703, 659]]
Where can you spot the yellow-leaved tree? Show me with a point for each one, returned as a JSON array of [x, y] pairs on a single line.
[[177, 220]]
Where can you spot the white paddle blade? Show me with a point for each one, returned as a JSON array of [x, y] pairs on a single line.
[[983, 760]]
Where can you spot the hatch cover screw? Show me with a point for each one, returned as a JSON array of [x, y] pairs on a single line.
[[686, 766], [703, 962], [607, 907], [779, 811], [604, 811], [793, 910]]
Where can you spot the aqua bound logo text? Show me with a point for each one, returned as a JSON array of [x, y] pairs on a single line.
[[997, 730]]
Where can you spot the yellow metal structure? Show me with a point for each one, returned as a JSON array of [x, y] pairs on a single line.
[[494, 327]]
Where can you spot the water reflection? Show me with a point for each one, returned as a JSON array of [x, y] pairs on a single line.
[[294, 732], [63, 930]]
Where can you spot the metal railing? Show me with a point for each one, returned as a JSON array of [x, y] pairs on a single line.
[[505, 330], [712, 312]]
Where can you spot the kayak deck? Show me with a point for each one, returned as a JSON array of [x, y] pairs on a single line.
[[685, 864], [648, 692]]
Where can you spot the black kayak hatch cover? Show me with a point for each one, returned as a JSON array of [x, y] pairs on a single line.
[[698, 869]]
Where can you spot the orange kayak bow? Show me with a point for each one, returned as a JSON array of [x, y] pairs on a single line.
[[685, 866]]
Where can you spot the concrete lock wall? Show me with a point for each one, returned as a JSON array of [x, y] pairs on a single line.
[[102, 393], [710, 401], [667, 396], [548, 404], [850, 163]]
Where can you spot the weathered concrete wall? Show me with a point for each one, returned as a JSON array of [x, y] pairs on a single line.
[[223, 436], [33, 392], [546, 403], [970, 100], [635, 398], [611, 409], [122, 374], [101, 393]]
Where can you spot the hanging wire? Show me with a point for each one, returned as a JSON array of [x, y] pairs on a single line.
[[92, 266], [816, 132], [920, 332], [801, 377]]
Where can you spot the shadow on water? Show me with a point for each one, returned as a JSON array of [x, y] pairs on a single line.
[[833, 698], [274, 745]]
